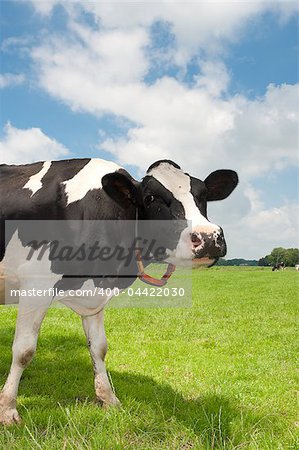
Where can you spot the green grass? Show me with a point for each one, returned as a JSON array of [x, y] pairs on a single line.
[[218, 375]]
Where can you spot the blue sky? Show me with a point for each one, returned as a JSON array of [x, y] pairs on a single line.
[[209, 88]]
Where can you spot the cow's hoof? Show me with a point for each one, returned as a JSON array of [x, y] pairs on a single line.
[[9, 417]]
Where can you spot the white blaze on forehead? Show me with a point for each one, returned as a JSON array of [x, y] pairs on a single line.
[[179, 184], [35, 182], [88, 178]]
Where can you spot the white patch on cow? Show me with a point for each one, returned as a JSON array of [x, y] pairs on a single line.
[[88, 178], [27, 273], [179, 184], [35, 181], [87, 300], [182, 254]]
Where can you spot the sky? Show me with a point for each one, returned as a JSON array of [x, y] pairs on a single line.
[[209, 85]]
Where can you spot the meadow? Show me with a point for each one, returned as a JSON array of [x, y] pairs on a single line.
[[217, 375]]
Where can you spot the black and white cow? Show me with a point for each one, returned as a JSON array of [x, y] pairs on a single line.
[[89, 190], [278, 266]]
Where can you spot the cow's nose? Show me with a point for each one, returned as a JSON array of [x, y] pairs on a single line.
[[196, 240], [208, 240]]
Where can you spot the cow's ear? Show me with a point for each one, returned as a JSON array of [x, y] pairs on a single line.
[[220, 184], [122, 189]]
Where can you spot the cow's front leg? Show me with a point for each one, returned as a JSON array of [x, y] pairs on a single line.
[[29, 321], [97, 343]]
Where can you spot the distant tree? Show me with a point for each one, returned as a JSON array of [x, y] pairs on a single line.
[[237, 262], [264, 261], [277, 255], [290, 256]]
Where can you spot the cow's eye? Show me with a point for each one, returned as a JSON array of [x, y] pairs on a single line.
[[148, 199]]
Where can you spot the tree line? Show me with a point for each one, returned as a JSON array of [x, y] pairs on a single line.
[[290, 256], [237, 262]]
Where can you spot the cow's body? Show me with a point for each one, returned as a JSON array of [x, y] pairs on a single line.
[[96, 190], [279, 266]]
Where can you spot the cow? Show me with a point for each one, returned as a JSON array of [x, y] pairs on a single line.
[[93, 189], [278, 266]]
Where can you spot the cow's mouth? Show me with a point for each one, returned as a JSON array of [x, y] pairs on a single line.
[[206, 261], [208, 255]]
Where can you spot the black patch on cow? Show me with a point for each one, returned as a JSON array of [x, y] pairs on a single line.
[[220, 184], [166, 213], [158, 202], [48, 203], [199, 192], [122, 188]]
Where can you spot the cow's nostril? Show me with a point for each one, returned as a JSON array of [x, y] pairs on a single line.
[[195, 239]]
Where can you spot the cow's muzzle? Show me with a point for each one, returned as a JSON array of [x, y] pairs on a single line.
[[208, 245]]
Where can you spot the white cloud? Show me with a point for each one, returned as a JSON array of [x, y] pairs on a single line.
[[278, 224], [44, 7], [176, 122], [199, 25], [202, 132], [9, 79], [214, 77], [285, 10], [261, 230], [18, 146], [265, 132], [251, 228], [98, 73], [171, 118], [13, 42], [103, 71]]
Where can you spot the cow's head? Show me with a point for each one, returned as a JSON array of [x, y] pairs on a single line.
[[167, 193]]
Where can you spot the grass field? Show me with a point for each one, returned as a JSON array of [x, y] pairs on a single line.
[[219, 375]]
